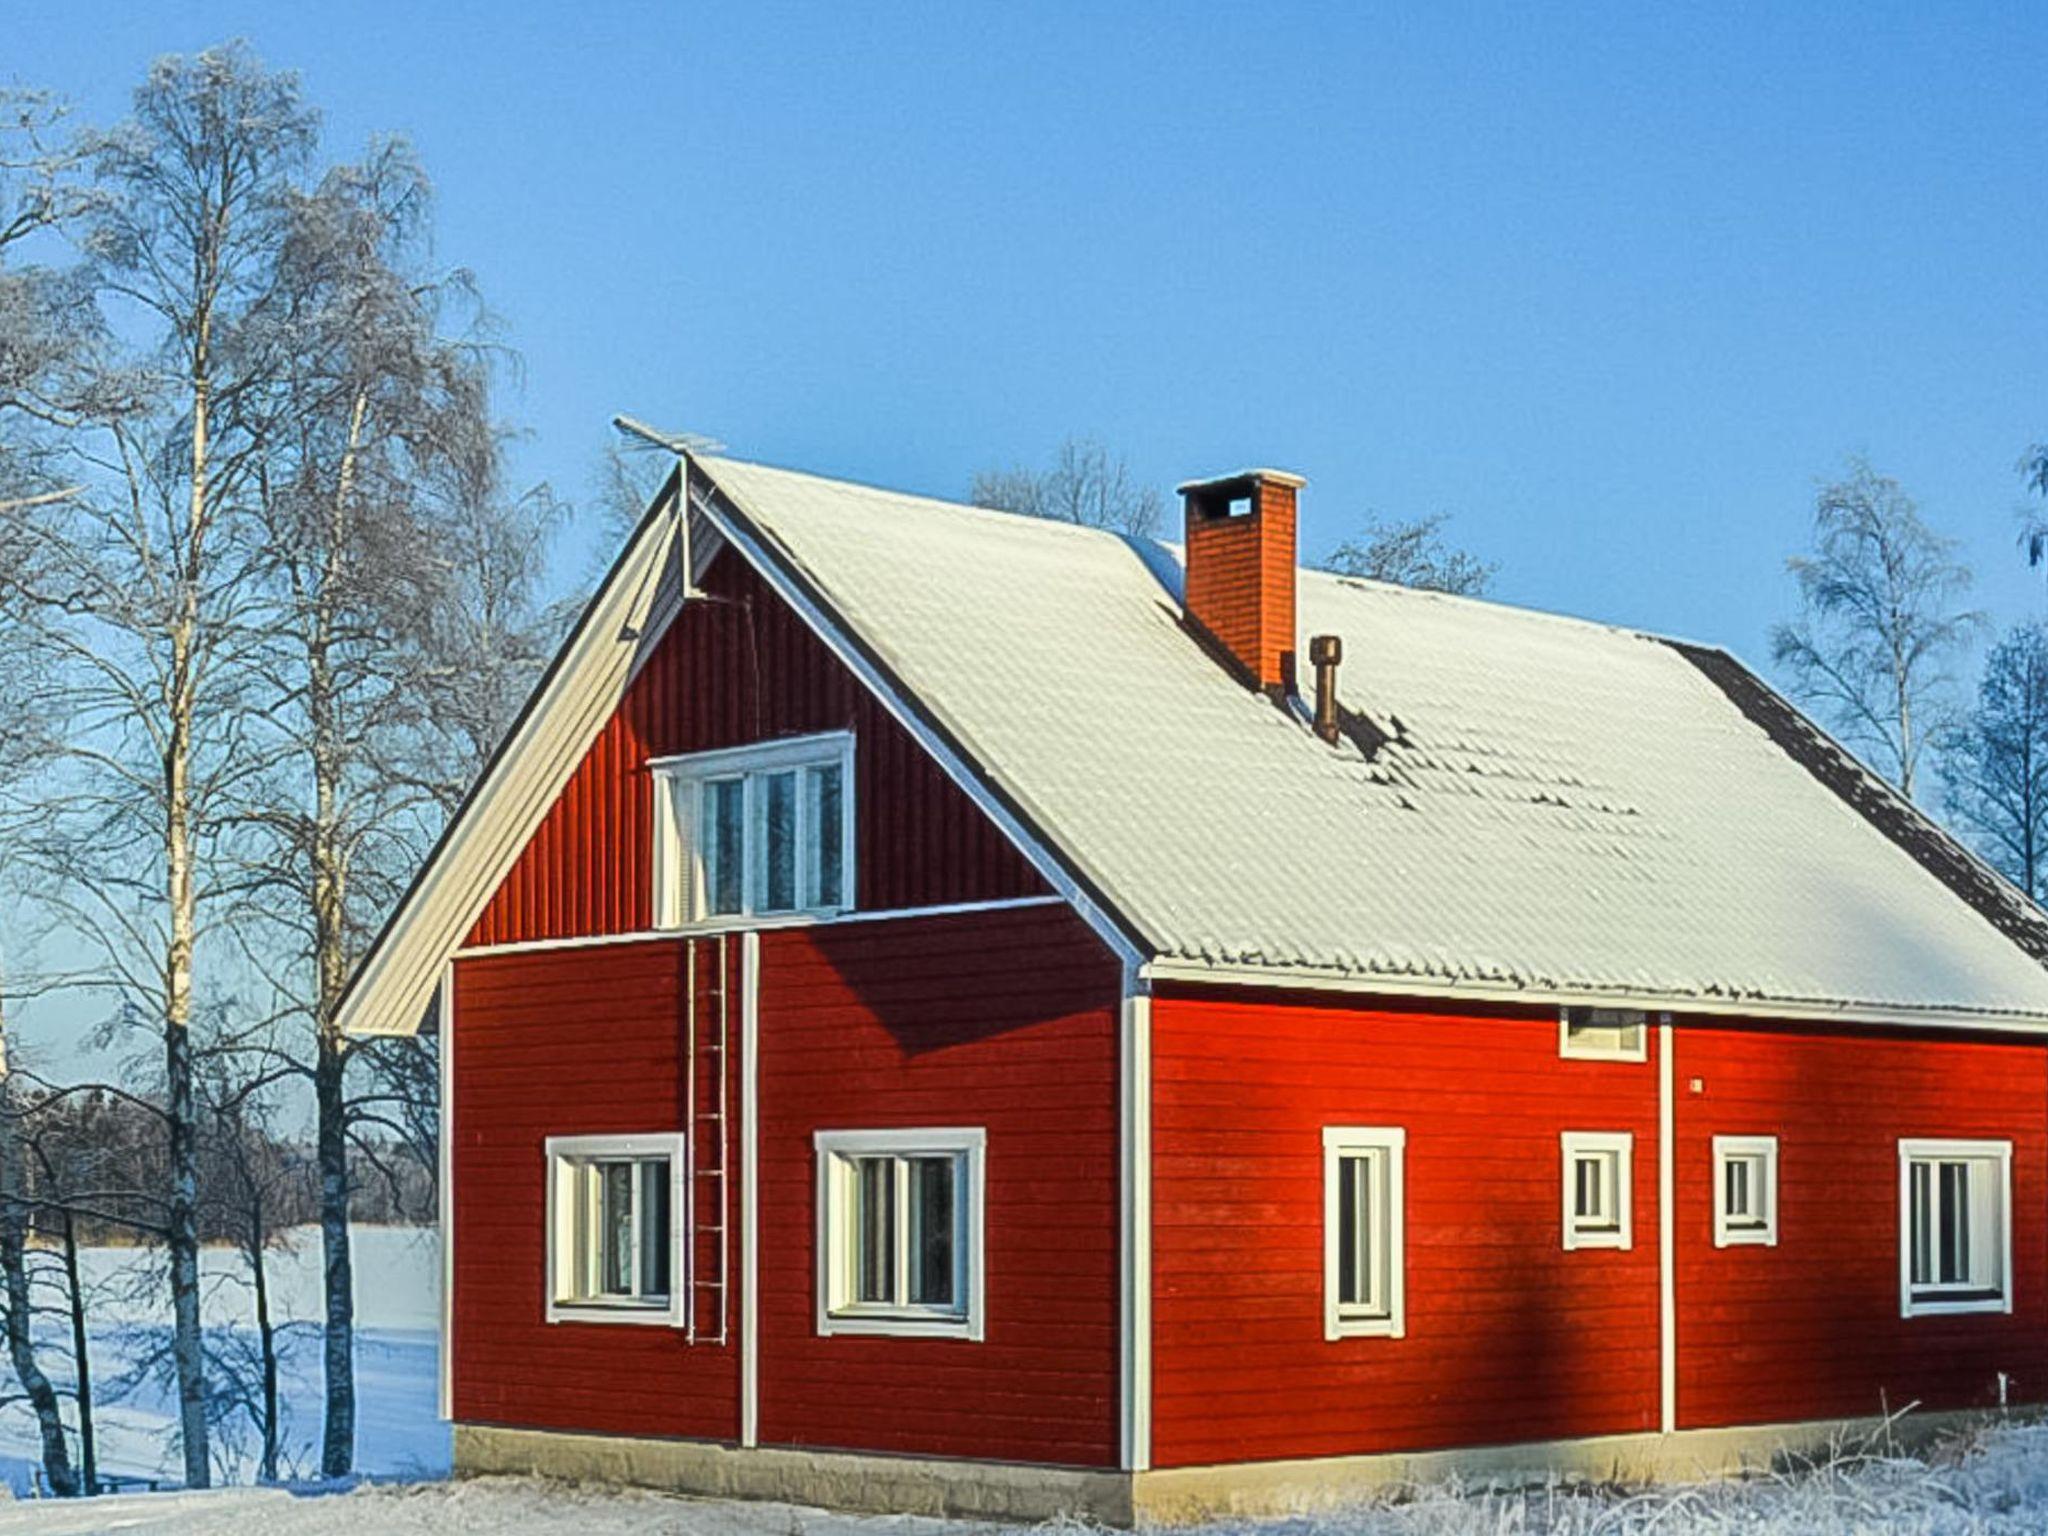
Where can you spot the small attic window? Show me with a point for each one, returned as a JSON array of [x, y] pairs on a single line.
[[759, 830], [1603, 1034]]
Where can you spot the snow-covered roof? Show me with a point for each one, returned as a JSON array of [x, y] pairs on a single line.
[[1527, 804]]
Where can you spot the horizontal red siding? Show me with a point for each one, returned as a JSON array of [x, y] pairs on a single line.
[[566, 1043], [741, 666], [1003, 1020], [1811, 1328], [1508, 1337]]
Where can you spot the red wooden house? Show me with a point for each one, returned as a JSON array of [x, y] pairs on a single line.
[[943, 1010]]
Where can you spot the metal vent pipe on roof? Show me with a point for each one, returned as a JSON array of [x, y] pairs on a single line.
[[1325, 651]]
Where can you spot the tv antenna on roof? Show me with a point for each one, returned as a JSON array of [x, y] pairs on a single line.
[[681, 444], [674, 442]]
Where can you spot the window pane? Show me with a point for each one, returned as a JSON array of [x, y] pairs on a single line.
[[615, 1272], [1349, 1222], [724, 844], [654, 1227], [778, 842], [931, 1231], [874, 1229], [826, 854], [1954, 1268], [1738, 1186], [1920, 1204]]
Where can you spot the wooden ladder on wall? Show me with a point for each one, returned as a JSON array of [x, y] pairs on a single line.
[[707, 1146]]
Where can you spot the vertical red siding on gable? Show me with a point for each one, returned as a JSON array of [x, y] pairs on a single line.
[[1509, 1337], [736, 667], [1004, 1020], [565, 1043], [1811, 1328]]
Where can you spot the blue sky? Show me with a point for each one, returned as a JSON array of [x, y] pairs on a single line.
[[1614, 288]]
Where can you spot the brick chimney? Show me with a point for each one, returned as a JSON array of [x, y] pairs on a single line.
[[1240, 569]]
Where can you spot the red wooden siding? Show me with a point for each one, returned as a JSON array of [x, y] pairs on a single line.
[[1005, 1020], [744, 667], [1509, 1337], [565, 1043], [1811, 1328]]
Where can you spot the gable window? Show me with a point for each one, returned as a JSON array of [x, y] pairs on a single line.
[[758, 830], [1603, 1034], [1597, 1198], [899, 1232], [1362, 1221], [1745, 1191], [613, 1213], [1955, 1222]]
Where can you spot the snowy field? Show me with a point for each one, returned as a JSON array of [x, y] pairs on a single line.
[[397, 1304], [1999, 1487]]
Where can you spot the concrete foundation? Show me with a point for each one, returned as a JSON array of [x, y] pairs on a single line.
[[985, 1490]]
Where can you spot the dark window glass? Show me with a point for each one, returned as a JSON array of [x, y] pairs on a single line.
[[827, 852], [778, 842], [724, 844], [654, 1229], [1955, 1223], [931, 1231]]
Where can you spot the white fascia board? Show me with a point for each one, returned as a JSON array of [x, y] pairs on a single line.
[[1844, 1014], [617, 634], [1062, 871]]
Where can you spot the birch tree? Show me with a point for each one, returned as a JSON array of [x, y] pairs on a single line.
[[378, 424], [1411, 554], [1085, 484], [1995, 763], [140, 586], [1881, 622]]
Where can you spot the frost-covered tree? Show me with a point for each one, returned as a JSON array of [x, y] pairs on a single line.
[[1411, 554], [1881, 622], [139, 588], [1995, 763], [1085, 484]]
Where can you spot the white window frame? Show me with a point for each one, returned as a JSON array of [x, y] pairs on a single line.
[[1763, 1151], [681, 898], [1619, 1145], [837, 1312], [1579, 1050], [1354, 1320], [1929, 1301], [564, 1156]]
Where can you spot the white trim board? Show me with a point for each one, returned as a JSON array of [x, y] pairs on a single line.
[[1667, 1227], [1134, 1245], [757, 923], [750, 1190], [444, 1152], [583, 687], [1845, 1015]]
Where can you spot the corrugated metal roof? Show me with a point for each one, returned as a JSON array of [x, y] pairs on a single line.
[[1552, 807]]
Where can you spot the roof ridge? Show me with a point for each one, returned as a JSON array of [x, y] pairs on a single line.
[[1176, 549]]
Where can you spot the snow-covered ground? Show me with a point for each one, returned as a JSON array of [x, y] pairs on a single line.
[[397, 1273], [1999, 1487]]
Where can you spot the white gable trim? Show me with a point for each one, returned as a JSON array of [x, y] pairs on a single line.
[[1848, 1014], [830, 630], [484, 838]]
